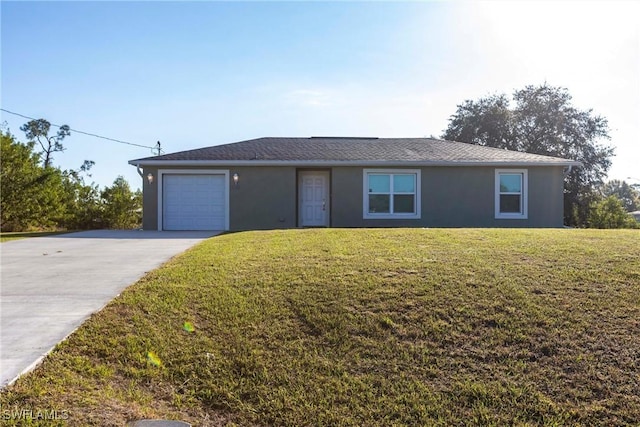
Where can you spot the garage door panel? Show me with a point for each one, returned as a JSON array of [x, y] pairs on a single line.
[[194, 202]]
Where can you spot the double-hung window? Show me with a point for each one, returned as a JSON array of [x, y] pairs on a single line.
[[391, 193], [511, 194]]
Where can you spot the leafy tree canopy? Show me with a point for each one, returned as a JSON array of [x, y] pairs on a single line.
[[35, 196], [122, 207], [38, 131], [628, 195], [610, 213], [541, 120], [31, 195]]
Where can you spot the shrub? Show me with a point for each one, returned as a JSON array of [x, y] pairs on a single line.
[[610, 213]]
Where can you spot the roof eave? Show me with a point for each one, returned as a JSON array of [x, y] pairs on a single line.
[[333, 163]]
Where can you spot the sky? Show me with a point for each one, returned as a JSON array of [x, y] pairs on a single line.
[[203, 73]]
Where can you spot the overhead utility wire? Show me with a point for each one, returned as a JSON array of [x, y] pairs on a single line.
[[84, 133]]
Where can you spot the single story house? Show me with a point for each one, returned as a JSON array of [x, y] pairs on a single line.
[[269, 183]]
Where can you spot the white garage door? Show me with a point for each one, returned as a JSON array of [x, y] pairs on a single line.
[[193, 202]]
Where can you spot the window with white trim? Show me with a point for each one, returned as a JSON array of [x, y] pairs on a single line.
[[391, 193], [511, 194]]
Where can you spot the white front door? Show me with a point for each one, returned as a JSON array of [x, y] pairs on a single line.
[[314, 199]]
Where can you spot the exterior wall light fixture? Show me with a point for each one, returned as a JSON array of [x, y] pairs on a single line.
[[150, 178], [236, 178]]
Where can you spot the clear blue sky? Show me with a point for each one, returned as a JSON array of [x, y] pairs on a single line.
[[205, 73]]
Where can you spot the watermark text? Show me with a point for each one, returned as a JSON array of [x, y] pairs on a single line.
[[29, 414]]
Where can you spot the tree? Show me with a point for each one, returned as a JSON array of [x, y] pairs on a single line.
[[19, 170], [43, 196], [487, 122], [31, 194], [82, 201], [610, 213], [122, 208], [542, 121], [628, 195], [38, 131]]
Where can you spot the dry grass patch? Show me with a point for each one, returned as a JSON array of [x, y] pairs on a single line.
[[364, 327]]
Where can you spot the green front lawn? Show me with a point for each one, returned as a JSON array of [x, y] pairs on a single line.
[[363, 327]]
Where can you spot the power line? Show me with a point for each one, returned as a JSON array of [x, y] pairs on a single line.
[[86, 133]]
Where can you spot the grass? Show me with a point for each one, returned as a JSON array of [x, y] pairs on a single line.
[[5, 237], [384, 327]]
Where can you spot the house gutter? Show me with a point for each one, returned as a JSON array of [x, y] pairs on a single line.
[[325, 163]]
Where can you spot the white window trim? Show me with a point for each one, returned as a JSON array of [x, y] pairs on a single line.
[[525, 194], [365, 194], [162, 172]]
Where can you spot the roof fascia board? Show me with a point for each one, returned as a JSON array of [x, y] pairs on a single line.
[[324, 163]]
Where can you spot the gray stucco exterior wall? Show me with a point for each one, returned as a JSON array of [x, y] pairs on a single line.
[[546, 197], [266, 198], [149, 199], [454, 197]]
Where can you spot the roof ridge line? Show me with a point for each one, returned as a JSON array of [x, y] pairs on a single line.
[[343, 137]]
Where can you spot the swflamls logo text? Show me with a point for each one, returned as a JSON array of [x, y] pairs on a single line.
[[33, 414]]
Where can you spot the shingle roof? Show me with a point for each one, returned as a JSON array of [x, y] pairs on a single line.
[[348, 150]]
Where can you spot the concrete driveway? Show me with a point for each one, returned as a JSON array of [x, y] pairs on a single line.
[[50, 285]]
